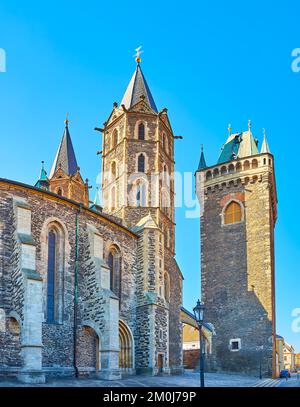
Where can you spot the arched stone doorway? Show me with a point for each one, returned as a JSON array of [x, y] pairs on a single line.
[[126, 354]]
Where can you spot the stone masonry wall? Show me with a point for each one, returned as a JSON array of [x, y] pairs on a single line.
[[237, 278]]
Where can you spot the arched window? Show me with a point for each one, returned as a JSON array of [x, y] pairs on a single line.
[[141, 131], [246, 165], [115, 138], [254, 163], [111, 268], [167, 286], [165, 201], [141, 163], [114, 264], [238, 167], [59, 191], [231, 168], [113, 199], [51, 276], [208, 175], [216, 172], [141, 192], [223, 170], [233, 213], [113, 170]]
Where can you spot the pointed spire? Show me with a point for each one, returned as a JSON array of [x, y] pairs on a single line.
[[249, 125], [202, 163], [65, 157], [43, 181], [138, 89], [265, 147]]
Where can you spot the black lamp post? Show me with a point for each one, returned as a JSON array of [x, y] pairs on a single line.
[[199, 316]]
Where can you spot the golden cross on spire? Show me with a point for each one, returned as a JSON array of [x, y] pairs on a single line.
[[137, 54], [67, 120]]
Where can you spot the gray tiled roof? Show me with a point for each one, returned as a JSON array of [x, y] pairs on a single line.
[[138, 87], [65, 156]]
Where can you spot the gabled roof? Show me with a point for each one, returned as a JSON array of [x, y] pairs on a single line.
[[136, 89], [65, 157], [147, 222]]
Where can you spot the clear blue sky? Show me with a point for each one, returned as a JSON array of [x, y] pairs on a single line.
[[209, 63]]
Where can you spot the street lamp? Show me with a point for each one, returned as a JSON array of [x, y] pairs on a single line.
[[199, 316]]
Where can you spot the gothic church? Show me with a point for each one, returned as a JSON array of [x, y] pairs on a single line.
[[88, 289]]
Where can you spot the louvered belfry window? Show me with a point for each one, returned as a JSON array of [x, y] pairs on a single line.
[[233, 213]]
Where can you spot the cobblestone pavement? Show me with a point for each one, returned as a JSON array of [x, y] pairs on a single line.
[[188, 379]]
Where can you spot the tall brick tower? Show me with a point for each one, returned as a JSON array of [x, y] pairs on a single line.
[[138, 188], [238, 214]]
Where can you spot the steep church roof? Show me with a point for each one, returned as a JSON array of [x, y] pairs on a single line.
[[43, 181], [138, 87], [238, 145], [265, 146], [202, 162], [65, 156]]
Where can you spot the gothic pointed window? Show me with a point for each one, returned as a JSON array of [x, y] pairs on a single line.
[[113, 170], [51, 276], [167, 286], [141, 163], [141, 131], [233, 213], [111, 268], [113, 198], [114, 138], [114, 264]]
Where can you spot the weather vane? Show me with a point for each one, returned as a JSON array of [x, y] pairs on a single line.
[[137, 54]]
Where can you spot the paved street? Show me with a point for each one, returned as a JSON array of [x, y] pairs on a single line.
[[186, 380]]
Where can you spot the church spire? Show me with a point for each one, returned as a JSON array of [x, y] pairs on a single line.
[[65, 157], [202, 162], [138, 88], [265, 147], [43, 181]]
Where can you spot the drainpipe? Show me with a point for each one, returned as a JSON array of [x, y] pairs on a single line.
[[76, 288]]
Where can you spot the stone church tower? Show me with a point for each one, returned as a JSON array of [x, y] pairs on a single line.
[[238, 213], [138, 188]]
